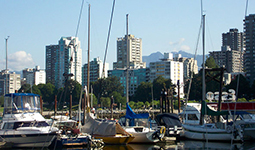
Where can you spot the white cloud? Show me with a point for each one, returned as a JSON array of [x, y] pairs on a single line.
[[20, 60], [181, 40], [185, 48]]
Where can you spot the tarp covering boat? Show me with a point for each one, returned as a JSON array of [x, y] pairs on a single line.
[[105, 128], [168, 119]]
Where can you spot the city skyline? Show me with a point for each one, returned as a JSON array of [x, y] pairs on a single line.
[[164, 26]]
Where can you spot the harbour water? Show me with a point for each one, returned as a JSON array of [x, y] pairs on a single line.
[[172, 145]]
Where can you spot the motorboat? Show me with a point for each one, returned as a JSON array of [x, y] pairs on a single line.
[[22, 123], [139, 126], [245, 122], [70, 135], [172, 123]]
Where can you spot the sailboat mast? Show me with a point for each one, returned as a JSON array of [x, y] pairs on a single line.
[[203, 73], [203, 38], [127, 96]]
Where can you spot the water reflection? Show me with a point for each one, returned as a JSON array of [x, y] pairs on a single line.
[[186, 144]]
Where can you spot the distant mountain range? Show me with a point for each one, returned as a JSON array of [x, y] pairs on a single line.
[[158, 55]]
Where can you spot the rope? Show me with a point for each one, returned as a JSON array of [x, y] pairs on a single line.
[[238, 77], [191, 76]]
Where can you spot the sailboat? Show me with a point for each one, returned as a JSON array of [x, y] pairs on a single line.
[[109, 131], [139, 126], [211, 131]]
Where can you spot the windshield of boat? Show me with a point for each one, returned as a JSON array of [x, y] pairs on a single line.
[[15, 125], [70, 124], [21, 104], [138, 122]]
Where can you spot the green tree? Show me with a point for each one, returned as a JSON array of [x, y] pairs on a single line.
[[210, 63], [25, 88], [196, 86], [143, 92], [94, 100], [70, 87], [147, 104], [118, 98], [139, 105], [244, 89], [106, 102], [48, 92], [1, 101], [105, 87], [36, 90], [132, 104], [155, 104], [159, 84]]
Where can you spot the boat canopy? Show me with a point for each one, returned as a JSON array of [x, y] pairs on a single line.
[[132, 115], [168, 120], [21, 103], [205, 110]]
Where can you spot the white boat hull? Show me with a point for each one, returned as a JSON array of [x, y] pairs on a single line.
[[29, 140], [212, 134], [145, 136]]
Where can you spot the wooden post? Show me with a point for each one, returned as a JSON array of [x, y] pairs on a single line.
[[70, 106], [161, 105], [165, 98], [41, 105], [56, 106], [172, 99], [111, 107], [179, 102], [168, 101]]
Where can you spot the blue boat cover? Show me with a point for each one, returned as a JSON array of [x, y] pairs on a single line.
[[131, 115]]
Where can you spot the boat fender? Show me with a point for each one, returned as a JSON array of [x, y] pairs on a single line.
[[162, 130]]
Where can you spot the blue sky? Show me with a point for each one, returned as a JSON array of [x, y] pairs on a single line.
[[163, 25]]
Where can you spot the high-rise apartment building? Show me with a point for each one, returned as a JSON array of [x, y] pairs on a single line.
[[136, 76], [231, 54], [96, 69], [134, 52], [68, 60], [229, 59], [168, 69], [51, 57], [34, 76], [233, 39], [189, 66], [9, 82], [249, 40]]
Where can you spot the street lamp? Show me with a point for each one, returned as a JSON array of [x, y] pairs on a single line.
[[6, 47]]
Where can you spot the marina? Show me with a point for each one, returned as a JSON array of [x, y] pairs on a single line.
[[166, 106]]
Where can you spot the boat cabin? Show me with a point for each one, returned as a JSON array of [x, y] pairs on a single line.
[[15, 103]]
